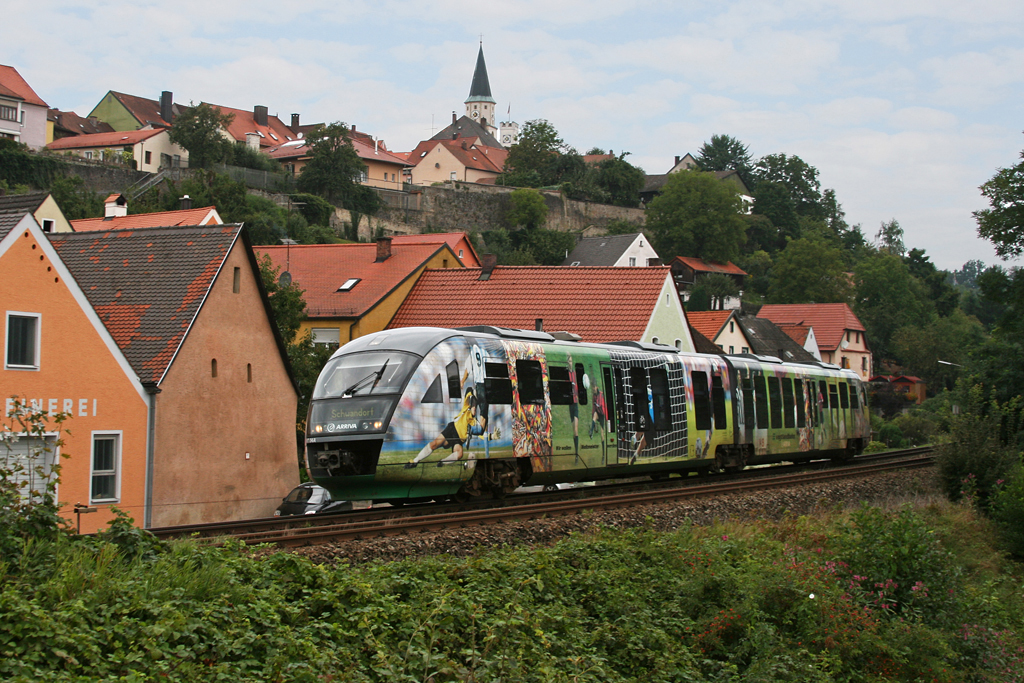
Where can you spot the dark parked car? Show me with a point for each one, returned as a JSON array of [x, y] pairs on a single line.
[[310, 499]]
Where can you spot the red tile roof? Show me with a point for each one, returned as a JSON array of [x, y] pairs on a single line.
[[320, 269], [708, 323], [365, 149], [115, 139], [830, 321], [244, 121], [72, 124], [702, 266], [204, 216], [599, 304], [797, 333], [597, 158], [147, 285], [14, 85], [146, 111], [452, 239]]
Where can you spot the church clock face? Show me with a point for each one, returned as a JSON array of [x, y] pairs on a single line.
[[475, 113], [506, 138]]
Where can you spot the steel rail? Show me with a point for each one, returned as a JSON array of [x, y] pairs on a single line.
[[369, 528]]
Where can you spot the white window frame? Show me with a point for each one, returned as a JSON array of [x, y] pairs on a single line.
[[116, 435], [632, 261], [49, 225], [7, 339], [319, 334]]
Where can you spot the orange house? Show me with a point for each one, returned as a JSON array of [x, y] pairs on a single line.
[[159, 344]]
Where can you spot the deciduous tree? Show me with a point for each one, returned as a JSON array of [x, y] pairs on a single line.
[[798, 176], [697, 215], [334, 170], [725, 153], [201, 129], [809, 271], [1003, 224]]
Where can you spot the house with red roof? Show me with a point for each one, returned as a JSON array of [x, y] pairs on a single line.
[[150, 149], [457, 241], [116, 217], [914, 388], [63, 124], [839, 333], [686, 270], [354, 289], [383, 168], [22, 111], [42, 207], [723, 328], [122, 111], [600, 304], [159, 346], [438, 161]]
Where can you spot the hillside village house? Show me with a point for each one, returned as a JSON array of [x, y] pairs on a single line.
[[457, 241], [768, 339], [63, 124], [613, 250], [115, 209], [135, 334], [22, 111], [686, 270], [41, 206], [383, 169], [839, 333], [601, 304], [354, 289], [722, 328], [150, 149]]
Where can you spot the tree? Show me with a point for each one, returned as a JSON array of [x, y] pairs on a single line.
[[950, 339], [1003, 224], [620, 180], [942, 294], [725, 153], [334, 169], [201, 130], [697, 215], [773, 201], [888, 298], [527, 208], [889, 238], [809, 271], [798, 176], [714, 289], [540, 158]]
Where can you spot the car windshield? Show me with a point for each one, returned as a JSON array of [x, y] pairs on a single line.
[[360, 374], [299, 495]]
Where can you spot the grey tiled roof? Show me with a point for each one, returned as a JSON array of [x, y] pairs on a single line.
[[600, 251], [22, 203], [9, 220], [766, 339], [466, 127], [147, 284]]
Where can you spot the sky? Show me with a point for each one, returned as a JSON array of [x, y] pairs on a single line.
[[904, 107]]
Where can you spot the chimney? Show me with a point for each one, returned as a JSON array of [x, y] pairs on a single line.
[[454, 119], [455, 136], [677, 161], [116, 206], [353, 128], [295, 120], [487, 264], [259, 112], [383, 249], [166, 107], [186, 203], [538, 324], [252, 141]]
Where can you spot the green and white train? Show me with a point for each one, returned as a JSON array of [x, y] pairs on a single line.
[[419, 414]]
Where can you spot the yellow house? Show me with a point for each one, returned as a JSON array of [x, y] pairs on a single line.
[[354, 289], [383, 168], [42, 207]]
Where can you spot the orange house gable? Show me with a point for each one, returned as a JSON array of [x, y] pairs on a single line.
[[78, 369]]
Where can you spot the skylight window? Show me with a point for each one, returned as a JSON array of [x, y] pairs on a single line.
[[349, 284]]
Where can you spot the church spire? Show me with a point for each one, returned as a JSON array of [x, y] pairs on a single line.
[[480, 104]]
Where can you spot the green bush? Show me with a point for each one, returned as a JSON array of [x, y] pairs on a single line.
[[891, 435], [917, 427], [1007, 511]]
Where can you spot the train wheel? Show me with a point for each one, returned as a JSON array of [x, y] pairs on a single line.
[[499, 492], [461, 496]]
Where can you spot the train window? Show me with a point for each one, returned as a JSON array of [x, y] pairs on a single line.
[[775, 401], [788, 404], [609, 398], [718, 401], [701, 400], [497, 385], [581, 385], [559, 385], [854, 396], [748, 401], [833, 397], [813, 401], [454, 382], [801, 407], [844, 396], [620, 396], [433, 393], [662, 406], [531, 382], [641, 397], [823, 395], [761, 402]]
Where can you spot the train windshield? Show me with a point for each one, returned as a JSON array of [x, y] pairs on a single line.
[[362, 374]]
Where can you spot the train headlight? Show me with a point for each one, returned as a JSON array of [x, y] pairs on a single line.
[[318, 428], [378, 424]]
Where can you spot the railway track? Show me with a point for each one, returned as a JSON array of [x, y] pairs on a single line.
[[291, 532]]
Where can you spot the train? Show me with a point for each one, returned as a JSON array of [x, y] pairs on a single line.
[[419, 414]]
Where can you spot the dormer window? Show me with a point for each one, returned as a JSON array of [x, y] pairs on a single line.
[[349, 284]]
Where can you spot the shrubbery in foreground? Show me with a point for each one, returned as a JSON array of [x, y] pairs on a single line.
[[870, 596]]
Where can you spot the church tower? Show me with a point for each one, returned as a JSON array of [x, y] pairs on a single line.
[[480, 104]]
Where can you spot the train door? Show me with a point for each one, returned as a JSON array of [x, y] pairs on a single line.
[[833, 411], [844, 410], [623, 423], [760, 413], [745, 411], [604, 408]]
